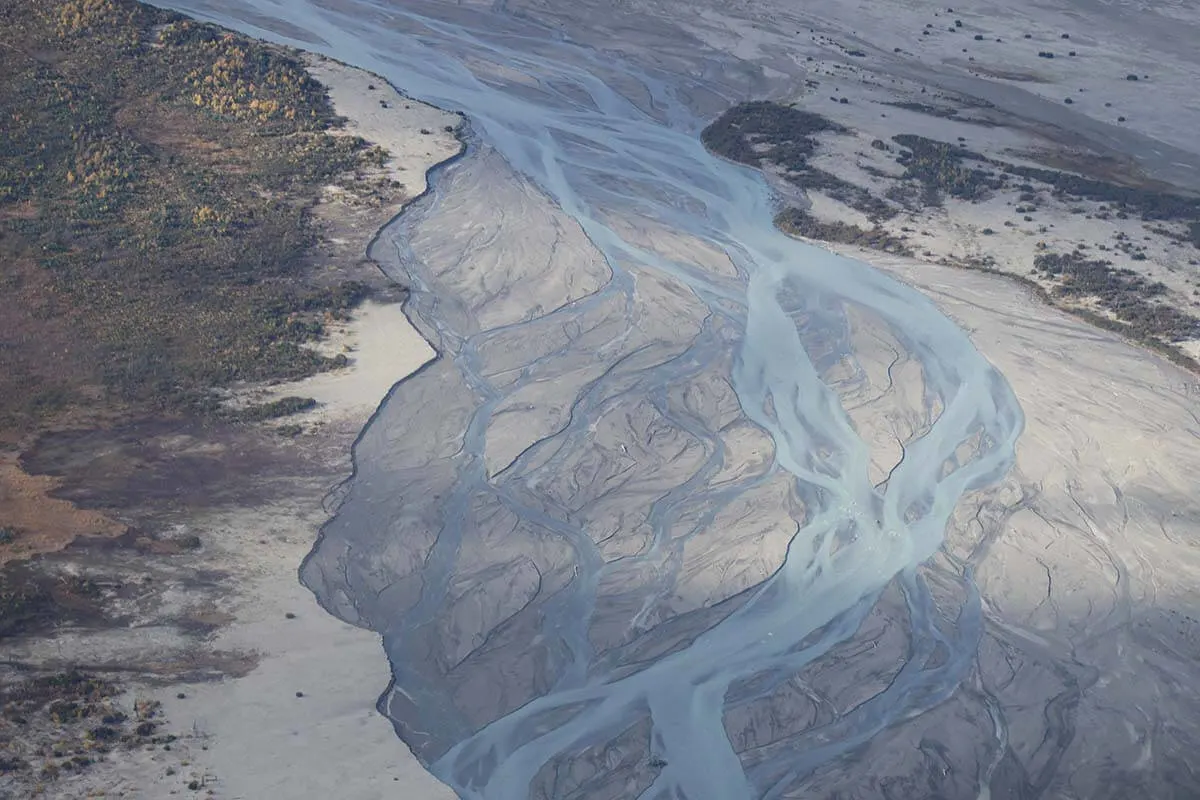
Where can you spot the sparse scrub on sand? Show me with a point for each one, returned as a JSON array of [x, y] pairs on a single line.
[[941, 112], [797, 222], [770, 135], [283, 407], [1147, 203], [87, 711], [938, 167], [764, 134], [1130, 297]]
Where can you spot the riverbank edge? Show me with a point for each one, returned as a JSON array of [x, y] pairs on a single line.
[[346, 641], [281, 696], [1173, 353]]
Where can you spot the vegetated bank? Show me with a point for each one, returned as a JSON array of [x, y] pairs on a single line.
[[781, 139], [156, 178], [158, 245]]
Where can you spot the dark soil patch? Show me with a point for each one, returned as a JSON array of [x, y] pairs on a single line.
[[163, 465], [769, 134], [33, 600]]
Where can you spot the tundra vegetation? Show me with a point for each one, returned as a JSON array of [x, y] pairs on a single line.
[[157, 245], [156, 177]]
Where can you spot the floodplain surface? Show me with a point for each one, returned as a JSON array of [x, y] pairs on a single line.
[[688, 508]]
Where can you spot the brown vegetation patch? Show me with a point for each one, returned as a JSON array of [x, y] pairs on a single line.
[[157, 243], [37, 521], [200, 666], [173, 129], [156, 181], [160, 246], [162, 466]]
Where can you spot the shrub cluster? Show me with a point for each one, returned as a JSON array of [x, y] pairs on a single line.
[[1123, 292], [238, 78], [797, 222], [754, 132], [938, 167], [763, 133], [169, 237]]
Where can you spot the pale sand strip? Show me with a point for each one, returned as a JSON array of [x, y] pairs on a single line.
[[265, 741], [396, 127], [253, 737]]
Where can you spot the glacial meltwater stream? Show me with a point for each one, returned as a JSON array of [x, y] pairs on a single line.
[[572, 646]]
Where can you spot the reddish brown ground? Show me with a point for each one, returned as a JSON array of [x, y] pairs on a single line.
[[41, 522]]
